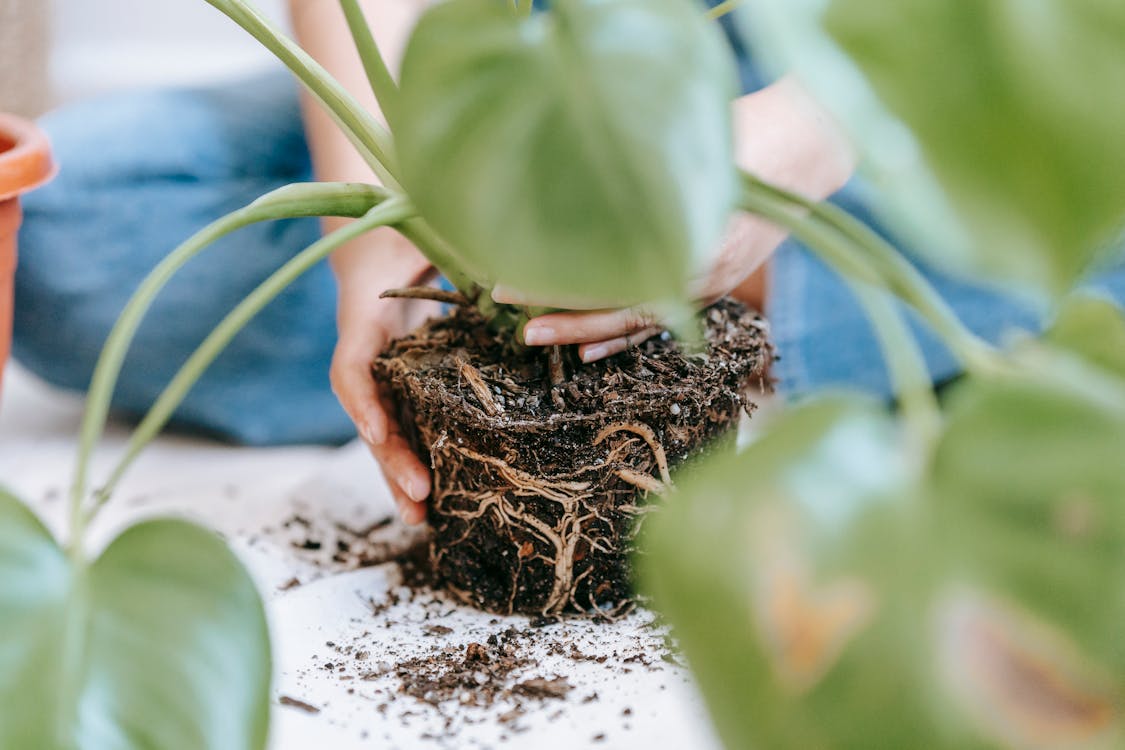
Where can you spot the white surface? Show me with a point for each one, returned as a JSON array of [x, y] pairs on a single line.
[[252, 495], [106, 45]]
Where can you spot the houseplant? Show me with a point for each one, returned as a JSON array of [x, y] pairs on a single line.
[[73, 620], [826, 675], [25, 163], [953, 578]]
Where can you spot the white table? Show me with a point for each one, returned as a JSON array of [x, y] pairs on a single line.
[[250, 494]]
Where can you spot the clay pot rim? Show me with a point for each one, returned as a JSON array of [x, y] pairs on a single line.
[[28, 163]]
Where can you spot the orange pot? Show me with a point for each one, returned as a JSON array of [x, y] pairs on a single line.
[[25, 163]]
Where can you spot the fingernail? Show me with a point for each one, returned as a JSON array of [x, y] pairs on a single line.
[[414, 490], [538, 335], [595, 352]]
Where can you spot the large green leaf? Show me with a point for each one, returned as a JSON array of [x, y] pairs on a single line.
[[583, 153], [160, 643], [825, 598], [1028, 489], [790, 572], [1030, 477], [1015, 106]]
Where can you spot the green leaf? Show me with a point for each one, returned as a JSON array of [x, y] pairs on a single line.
[[788, 36], [1030, 490], [791, 573], [1094, 328], [36, 586], [1016, 108], [1019, 110], [159, 643], [826, 598], [581, 153]]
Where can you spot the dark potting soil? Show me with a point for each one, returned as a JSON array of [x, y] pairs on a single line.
[[542, 474]]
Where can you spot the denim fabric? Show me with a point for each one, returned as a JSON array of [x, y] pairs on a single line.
[[141, 172]]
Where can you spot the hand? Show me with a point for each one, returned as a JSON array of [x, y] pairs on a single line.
[[739, 265], [366, 325], [782, 136]]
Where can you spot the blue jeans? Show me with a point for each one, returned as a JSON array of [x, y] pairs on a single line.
[[143, 171], [140, 173]]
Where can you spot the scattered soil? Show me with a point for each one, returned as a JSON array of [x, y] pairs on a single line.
[[308, 708], [456, 677], [544, 467]]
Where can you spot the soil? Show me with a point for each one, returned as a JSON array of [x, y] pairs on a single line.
[[545, 467], [511, 673]]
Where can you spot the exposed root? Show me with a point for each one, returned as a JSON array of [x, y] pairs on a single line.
[[427, 292], [539, 513], [480, 388], [649, 436], [642, 481]]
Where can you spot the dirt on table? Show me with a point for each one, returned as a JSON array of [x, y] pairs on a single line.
[[543, 466], [512, 673]]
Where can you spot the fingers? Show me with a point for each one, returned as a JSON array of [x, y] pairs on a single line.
[[354, 386], [599, 326], [602, 349], [410, 512], [402, 467]]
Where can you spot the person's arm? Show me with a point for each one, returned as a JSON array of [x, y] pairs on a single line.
[[380, 260], [782, 136]]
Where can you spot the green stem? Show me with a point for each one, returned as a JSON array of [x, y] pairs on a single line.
[[722, 9], [360, 126], [444, 258], [859, 252], [393, 211], [292, 201], [905, 364], [524, 7], [378, 75]]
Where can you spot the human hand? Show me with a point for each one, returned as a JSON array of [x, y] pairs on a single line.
[[782, 136], [366, 325], [738, 265]]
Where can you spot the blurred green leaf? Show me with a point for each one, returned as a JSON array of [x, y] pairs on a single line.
[[788, 36], [160, 643], [1016, 107], [826, 598], [1029, 488], [791, 572], [1094, 328], [583, 153]]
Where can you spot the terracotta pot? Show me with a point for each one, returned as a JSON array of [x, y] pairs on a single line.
[[25, 163]]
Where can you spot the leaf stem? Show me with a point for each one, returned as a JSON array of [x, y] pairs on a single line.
[[292, 201], [722, 9], [905, 364], [388, 213], [378, 74], [367, 134], [856, 251], [524, 7]]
